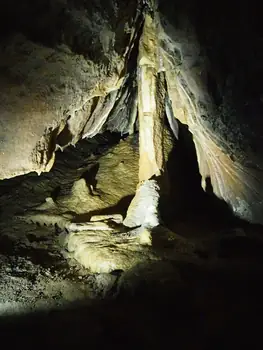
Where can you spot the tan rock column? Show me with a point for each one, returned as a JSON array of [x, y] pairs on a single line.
[[151, 99], [150, 104]]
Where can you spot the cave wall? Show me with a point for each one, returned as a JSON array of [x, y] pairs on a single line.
[[213, 59], [60, 61], [68, 71]]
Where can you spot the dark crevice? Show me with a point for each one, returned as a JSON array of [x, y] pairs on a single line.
[[188, 201], [90, 176], [119, 118], [120, 208], [65, 137], [52, 142], [94, 104]]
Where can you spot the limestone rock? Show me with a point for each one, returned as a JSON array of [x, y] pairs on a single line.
[[58, 62], [143, 210], [228, 145], [69, 68]]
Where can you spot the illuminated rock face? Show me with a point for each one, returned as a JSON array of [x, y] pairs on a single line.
[[73, 69], [60, 72], [151, 100], [143, 210], [223, 141]]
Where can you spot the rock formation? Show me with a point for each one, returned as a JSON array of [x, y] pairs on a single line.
[[72, 69]]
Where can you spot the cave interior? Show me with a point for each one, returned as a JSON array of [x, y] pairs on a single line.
[[131, 173]]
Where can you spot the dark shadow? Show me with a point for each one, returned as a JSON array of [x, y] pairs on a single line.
[[38, 256], [186, 305], [208, 186], [241, 248], [218, 208], [120, 208], [90, 175], [65, 137], [184, 179], [187, 201], [56, 193]]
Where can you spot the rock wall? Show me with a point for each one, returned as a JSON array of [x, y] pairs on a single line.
[[214, 89], [68, 70], [60, 62]]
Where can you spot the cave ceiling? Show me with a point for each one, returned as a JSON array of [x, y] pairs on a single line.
[[69, 69]]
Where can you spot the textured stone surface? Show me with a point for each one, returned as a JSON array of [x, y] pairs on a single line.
[[68, 70], [57, 65], [210, 99], [143, 210], [150, 103]]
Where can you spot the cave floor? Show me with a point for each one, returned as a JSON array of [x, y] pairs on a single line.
[[206, 298]]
